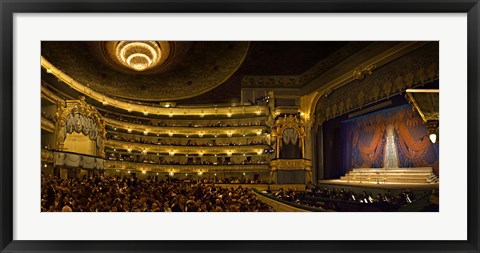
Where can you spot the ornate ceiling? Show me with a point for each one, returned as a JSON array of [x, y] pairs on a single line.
[[194, 72], [147, 71]]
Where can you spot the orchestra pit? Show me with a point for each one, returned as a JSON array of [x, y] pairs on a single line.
[[240, 126]]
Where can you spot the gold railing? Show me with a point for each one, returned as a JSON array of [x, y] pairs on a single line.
[[184, 130], [48, 125], [160, 168], [151, 148], [229, 111]]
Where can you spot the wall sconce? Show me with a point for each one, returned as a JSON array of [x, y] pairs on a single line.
[[129, 130], [229, 134], [259, 133], [145, 133], [200, 135], [229, 153], [129, 150], [170, 134], [171, 153], [259, 152], [200, 154]]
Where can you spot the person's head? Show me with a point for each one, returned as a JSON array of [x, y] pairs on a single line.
[[66, 209], [181, 199]]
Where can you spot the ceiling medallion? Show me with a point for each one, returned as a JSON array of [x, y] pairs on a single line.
[[138, 55]]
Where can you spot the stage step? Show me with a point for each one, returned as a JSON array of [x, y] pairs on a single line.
[[391, 175]]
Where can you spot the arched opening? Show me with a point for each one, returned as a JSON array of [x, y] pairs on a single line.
[[290, 144]]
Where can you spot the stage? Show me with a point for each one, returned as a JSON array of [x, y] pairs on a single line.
[[335, 183]]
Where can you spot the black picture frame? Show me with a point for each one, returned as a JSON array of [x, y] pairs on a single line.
[[8, 8]]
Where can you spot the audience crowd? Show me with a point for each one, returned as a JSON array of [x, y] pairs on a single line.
[[115, 194]]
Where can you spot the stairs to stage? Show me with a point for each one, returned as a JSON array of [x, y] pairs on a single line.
[[388, 176]]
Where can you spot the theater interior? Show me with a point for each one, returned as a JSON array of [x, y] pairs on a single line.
[[240, 126]]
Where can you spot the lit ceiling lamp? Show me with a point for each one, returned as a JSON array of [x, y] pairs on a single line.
[[138, 55]]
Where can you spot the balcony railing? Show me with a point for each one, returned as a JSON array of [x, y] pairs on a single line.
[[185, 149], [188, 168], [70, 159]]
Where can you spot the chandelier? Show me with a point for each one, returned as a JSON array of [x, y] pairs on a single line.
[[138, 55]]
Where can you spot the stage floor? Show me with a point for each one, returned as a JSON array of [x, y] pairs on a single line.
[[392, 185]]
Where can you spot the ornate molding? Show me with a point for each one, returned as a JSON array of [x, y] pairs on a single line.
[[291, 164], [47, 156], [416, 68], [184, 130], [48, 125], [360, 73], [205, 66], [147, 108], [125, 166], [79, 107], [185, 149], [297, 81]]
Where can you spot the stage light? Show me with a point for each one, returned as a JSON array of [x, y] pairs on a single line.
[[433, 138]]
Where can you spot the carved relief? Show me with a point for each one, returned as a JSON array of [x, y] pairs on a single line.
[[78, 116], [408, 71]]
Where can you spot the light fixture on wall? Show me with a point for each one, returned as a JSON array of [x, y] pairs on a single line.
[[171, 153], [129, 130], [170, 134]]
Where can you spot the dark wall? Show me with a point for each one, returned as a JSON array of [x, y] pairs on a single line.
[[332, 149]]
